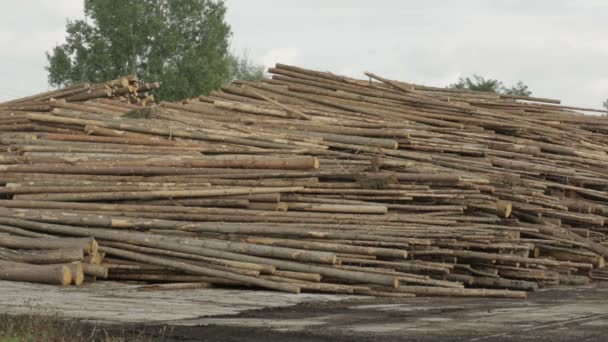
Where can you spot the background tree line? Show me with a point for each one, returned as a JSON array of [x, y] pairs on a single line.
[[184, 44], [480, 83]]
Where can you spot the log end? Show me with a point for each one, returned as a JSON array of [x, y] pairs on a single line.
[[94, 248], [504, 208], [94, 258], [96, 271], [66, 276], [268, 269], [333, 260], [78, 275]]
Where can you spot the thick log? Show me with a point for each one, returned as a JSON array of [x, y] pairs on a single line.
[[52, 256], [98, 271], [77, 270], [88, 245], [47, 274]]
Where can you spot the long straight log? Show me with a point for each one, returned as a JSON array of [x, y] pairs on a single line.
[[330, 247], [174, 287], [159, 194], [234, 264], [452, 292], [171, 278], [198, 270], [338, 208]]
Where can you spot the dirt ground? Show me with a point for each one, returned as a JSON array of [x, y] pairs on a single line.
[[554, 315], [563, 314]]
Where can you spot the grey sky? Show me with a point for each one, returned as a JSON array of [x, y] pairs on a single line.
[[558, 47]]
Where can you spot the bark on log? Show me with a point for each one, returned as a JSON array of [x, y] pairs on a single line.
[[47, 274], [52, 256]]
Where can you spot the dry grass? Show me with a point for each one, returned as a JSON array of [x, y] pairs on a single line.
[[143, 113], [37, 328], [51, 328]]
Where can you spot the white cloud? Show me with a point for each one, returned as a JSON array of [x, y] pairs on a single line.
[[27, 30], [557, 47], [588, 4], [286, 55], [350, 71]]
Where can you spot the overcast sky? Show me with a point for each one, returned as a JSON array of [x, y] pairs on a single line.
[[558, 47]]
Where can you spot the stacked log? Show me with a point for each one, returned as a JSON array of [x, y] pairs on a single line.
[[125, 96], [125, 89], [49, 260], [311, 181]]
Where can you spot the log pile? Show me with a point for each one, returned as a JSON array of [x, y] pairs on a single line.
[[315, 182], [47, 259], [115, 97]]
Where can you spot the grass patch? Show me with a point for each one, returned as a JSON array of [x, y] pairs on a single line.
[[25, 328], [51, 328]]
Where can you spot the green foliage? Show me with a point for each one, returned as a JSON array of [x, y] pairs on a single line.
[[242, 68], [519, 89], [605, 104], [480, 83], [184, 44]]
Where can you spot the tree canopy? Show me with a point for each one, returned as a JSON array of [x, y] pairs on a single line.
[[481, 83], [184, 44]]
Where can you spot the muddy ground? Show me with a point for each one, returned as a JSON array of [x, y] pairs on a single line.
[[563, 314], [402, 320]]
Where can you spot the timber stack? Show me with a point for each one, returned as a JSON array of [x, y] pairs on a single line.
[[308, 181], [111, 97]]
